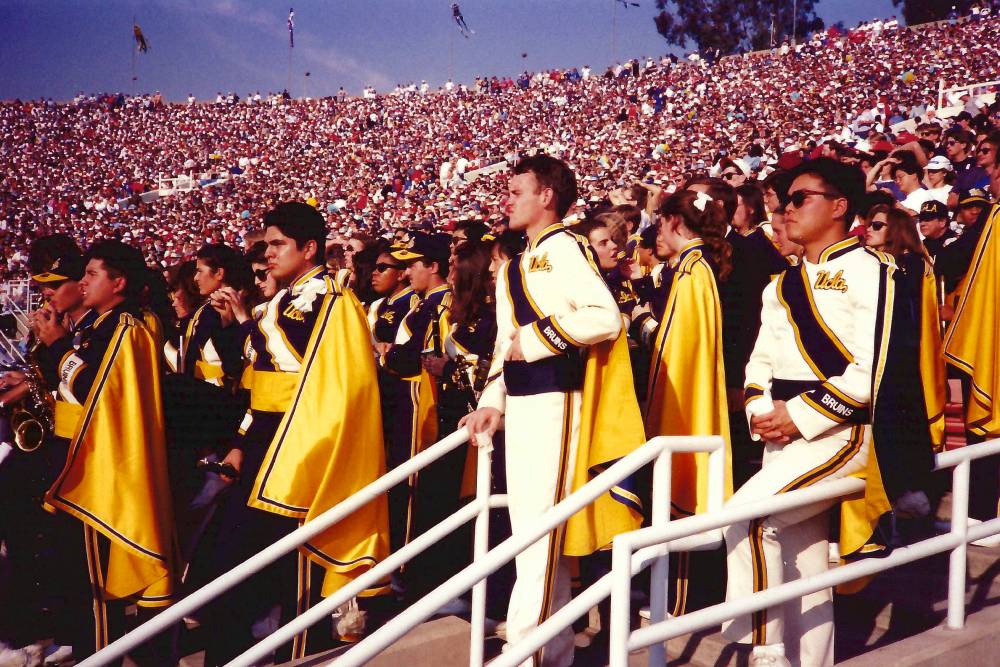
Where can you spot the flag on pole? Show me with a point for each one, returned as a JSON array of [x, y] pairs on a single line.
[[291, 28], [140, 39]]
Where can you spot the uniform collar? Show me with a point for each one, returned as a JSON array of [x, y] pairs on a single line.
[[308, 275], [437, 290], [839, 248], [689, 246], [547, 233], [404, 294]]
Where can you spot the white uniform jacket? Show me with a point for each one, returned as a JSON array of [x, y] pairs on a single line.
[[554, 297], [820, 359]]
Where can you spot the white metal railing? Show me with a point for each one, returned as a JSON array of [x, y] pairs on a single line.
[[659, 449], [625, 563], [969, 88], [175, 613]]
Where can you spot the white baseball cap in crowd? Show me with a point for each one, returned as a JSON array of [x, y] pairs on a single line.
[[939, 163]]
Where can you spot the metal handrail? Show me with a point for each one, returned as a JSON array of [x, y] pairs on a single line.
[[942, 91], [624, 563], [287, 544], [660, 449], [477, 509]]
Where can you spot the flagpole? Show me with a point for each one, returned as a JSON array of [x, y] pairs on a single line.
[[288, 82], [131, 42], [614, 31], [451, 55]]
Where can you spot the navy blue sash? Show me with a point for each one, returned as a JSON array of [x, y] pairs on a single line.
[[819, 345], [562, 372]]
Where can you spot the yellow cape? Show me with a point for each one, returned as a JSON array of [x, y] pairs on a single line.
[[972, 343], [610, 428], [687, 384], [115, 478], [329, 444]]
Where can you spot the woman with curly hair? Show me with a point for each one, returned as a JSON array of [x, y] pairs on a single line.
[[687, 384]]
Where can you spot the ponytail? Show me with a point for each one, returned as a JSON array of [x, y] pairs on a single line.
[[705, 217]]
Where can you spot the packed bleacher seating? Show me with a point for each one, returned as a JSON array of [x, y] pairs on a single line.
[[252, 308]]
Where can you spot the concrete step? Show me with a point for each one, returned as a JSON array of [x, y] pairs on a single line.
[[437, 643]]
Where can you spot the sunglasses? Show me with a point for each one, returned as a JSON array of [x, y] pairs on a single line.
[[985, 150], [877, 226], [260, 275], [382, 267], [952, 142], [798, 198], [729, 175]]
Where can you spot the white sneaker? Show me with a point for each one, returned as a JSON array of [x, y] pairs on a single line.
[[769, 656], [455, 607]]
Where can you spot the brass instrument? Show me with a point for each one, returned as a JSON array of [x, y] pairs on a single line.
[[480, 374], [34, 418]]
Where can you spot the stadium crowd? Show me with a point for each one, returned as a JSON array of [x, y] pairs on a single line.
[[374, 165], [350, 254]]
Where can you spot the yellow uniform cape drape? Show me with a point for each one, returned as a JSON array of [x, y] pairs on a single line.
[[687, 385], [610, 428], [972, 343], [329, 444], [900, 454], [155, 326], [932, 369], [115, 478]]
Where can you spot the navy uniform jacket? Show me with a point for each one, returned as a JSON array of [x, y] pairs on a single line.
[[952, 262], [386, 314], [419, 332]]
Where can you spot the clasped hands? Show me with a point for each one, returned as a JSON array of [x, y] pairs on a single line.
[[775, 426]]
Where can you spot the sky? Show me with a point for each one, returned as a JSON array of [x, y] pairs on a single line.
[[57, 48]]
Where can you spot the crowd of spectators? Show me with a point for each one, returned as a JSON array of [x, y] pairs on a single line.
[[376, 163]]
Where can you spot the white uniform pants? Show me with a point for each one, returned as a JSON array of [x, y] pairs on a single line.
[[541, 438], [769, 551]]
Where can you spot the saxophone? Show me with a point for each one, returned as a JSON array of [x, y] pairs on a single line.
[[35, 417]]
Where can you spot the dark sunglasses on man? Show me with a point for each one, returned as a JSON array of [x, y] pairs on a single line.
[[382, 267]]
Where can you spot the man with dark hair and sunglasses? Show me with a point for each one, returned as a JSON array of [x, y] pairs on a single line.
[[960, 146], [825, 333], [42, 579]]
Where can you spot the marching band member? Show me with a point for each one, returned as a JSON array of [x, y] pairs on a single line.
[[421, 332], [311, 438], [207, 353], [598, 234], [828, 328], [687, 386], [894, 232], [109, 409], [559, 338], [30, 533]]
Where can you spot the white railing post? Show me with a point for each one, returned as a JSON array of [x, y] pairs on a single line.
[[659, 576], [960, 529], [481, 544], [621, 608]]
